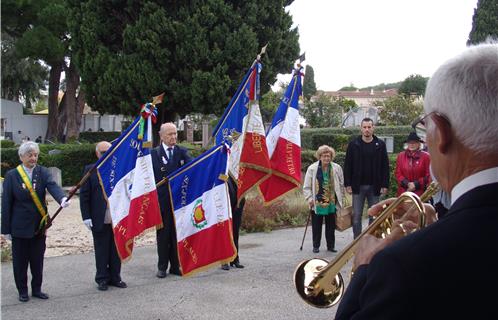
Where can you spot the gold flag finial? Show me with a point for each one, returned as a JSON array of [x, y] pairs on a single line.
[[158, 99], [263, 51]]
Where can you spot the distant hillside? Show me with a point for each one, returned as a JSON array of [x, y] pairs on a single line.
[[379, 87], [384, 86]]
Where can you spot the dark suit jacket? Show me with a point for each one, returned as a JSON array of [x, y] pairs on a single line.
[[162, 169], [352, 165], [232, 193], [20, 217], [448, 270], [92, 202]]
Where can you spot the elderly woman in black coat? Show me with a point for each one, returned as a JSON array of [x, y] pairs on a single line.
[[24, 215]]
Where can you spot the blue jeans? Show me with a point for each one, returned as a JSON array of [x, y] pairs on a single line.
[[366, 191]]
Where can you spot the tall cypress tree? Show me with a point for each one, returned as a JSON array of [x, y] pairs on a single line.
[[484, 22], [309, 85]]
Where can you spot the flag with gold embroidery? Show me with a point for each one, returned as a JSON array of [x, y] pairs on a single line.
[[201, 208]]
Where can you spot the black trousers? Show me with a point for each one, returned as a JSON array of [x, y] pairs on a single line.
[[28, 252], [236, 222], [106, 256], [166, 244], [316, 228]]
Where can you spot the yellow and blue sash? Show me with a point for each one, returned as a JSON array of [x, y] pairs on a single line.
[[34, 196]]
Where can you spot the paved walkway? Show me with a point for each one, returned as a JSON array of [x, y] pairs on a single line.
[[262, 290]]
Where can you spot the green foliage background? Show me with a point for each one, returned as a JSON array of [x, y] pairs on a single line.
[[197, 52], [484, 22]]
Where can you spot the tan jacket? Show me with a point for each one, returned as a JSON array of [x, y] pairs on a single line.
[[309, 189]]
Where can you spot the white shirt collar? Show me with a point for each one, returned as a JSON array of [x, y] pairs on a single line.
[[28, 170], [165, 147], [480, 178]]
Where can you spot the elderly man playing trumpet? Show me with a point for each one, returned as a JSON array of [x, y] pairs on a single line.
[[448, 270]]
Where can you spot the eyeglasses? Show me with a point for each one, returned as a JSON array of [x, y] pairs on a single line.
[[419, 124]]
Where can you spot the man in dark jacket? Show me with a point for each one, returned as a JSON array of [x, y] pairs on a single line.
[[237, 209], [366, 171], [24, 213], [97, 219], [447, 270], [166, 158]]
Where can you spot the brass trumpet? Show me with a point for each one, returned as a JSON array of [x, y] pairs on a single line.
[[320, 284]]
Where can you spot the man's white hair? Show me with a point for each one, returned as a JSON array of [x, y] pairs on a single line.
[[465, 90], [28, 146]]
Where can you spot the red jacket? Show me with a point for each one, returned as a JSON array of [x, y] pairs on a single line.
[[413, 166]]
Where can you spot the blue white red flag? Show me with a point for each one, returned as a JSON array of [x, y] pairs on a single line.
[[284, 143], [249, 161], [127, 178], [201, 208]]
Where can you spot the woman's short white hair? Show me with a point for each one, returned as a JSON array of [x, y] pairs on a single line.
[[325, 149], [465, 90], [27, 147]]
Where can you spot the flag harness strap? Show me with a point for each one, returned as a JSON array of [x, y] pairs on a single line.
[[34, 195]]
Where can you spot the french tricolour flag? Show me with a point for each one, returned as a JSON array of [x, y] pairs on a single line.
[[126, 174], [249, 161], [284, 143], [201, 207]]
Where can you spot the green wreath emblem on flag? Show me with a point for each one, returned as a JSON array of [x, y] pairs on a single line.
[[198, 215]]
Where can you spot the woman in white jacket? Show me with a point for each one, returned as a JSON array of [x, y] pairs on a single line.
[[323, 189]]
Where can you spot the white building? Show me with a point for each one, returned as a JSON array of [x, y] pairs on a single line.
[[365, 102], [17, 126]]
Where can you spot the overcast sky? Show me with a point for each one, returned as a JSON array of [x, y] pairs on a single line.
[[368, 42]]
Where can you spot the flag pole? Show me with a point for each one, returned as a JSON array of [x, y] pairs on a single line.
[[155, 100], [258, 57]]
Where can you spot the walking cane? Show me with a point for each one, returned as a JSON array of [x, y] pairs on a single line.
[[306, 228]]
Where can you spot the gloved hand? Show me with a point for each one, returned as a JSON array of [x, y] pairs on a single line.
[[7, 237], [88, 224], [65, 203]]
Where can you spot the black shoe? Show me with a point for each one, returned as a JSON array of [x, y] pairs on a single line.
[[225, 267], [23, 297], [316, 250], [175, 272], [332, 250], [236, 265], [102, 286], [161, 274], [40, 295], [119, 284]]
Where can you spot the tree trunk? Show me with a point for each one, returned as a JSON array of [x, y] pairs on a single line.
[[72, 83], [80, 105], [62, 119], [53, 100]]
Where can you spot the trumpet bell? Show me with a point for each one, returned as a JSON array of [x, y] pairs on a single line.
[[325, 297]]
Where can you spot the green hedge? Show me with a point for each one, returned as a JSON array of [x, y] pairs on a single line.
[[337, 141], [340, 141], [7, 144], [308, 157], [94, 137], [71, 160], [308, 134]]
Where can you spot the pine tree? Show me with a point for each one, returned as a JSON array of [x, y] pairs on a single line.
[[197, 52], [484, 22]]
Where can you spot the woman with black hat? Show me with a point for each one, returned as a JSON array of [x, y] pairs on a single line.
[[412, 167]]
